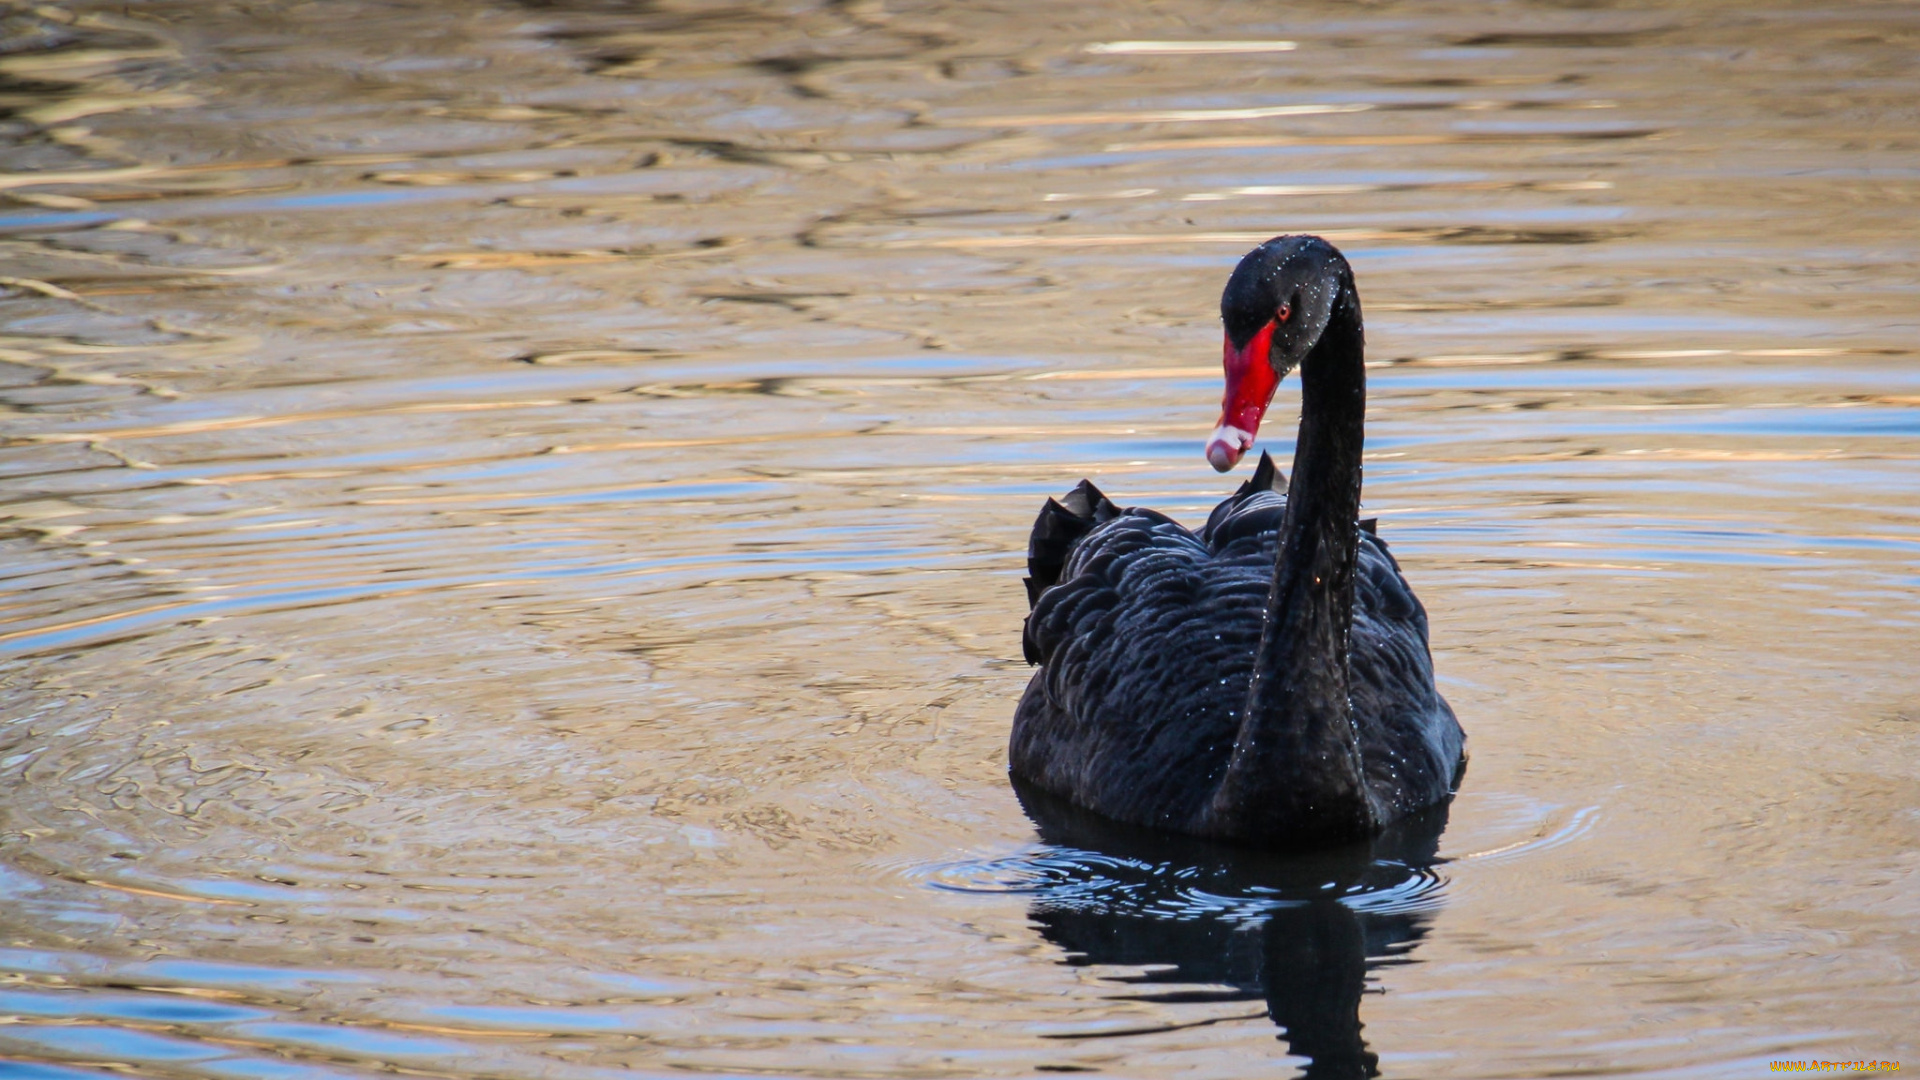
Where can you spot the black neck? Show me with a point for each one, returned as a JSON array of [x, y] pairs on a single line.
[[1295, 769]]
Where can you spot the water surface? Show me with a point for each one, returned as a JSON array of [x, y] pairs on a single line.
[[513, 519]]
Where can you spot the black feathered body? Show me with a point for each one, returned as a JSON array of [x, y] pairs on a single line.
[[1146, 633]]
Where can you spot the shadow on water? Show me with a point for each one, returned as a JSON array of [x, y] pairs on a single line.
[[1297, 931]]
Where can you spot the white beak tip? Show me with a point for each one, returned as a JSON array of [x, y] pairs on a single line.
[[1226, 446]]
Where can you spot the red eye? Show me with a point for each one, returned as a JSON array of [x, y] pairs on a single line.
[[1285, 312]]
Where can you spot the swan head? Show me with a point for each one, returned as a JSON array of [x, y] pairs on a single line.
[[1274, 309]]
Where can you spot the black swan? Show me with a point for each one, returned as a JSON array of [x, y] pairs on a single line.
[[1265, 680]]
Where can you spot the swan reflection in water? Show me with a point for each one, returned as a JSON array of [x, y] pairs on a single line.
[[1299, 931]]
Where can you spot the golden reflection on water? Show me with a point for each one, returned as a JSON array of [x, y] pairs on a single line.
[[513, 521]]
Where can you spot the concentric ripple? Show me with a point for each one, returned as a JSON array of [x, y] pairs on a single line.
[[1068, 878]]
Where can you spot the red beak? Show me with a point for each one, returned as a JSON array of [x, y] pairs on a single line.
[[1250, 386]]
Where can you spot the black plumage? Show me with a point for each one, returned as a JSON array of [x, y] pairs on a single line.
[[1266, 679]]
